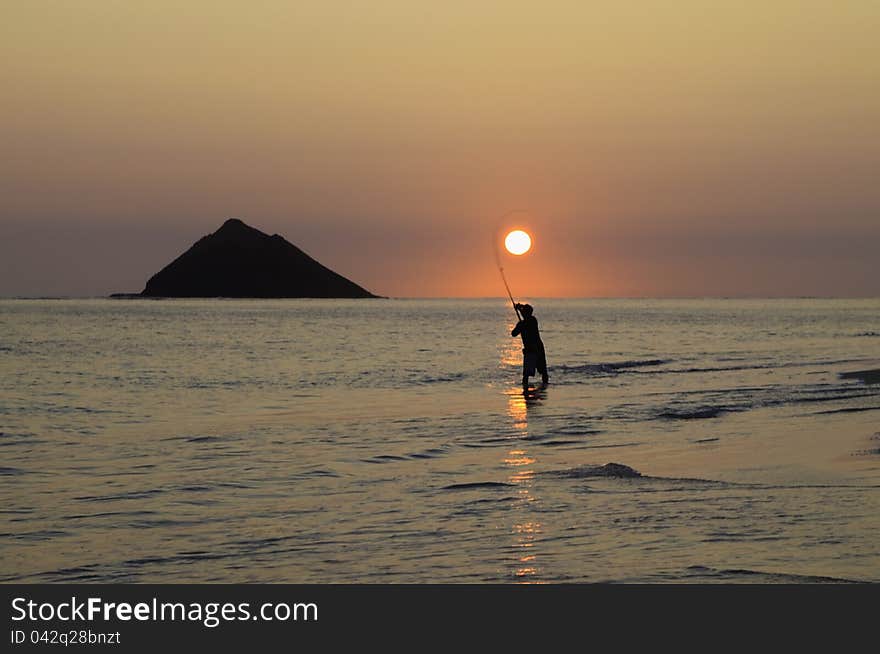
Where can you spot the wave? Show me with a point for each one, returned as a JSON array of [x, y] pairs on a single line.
[[40, 535], [132, 495], [753, 366], [558, 442], [477, 484], [439, 379], [757, 366], [699, 413], [12, 472], [864, 376], [384, 458], [634, 366], [622, 471], [430, 453], [617, 470], [611, 367], [759, 576], [204, 439], [853, 409], [715, 403]]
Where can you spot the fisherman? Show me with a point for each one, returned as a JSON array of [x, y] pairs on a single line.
[[533, 348]]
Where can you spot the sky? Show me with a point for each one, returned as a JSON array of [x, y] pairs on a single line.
[[659, 148]]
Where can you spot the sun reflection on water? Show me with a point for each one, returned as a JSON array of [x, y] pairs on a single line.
[[518, 410], [511, 352], [526, 531], [518, 458]]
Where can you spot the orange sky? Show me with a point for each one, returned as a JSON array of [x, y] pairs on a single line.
[[686, 148]]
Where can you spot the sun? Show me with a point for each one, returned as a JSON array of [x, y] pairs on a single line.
[[518, 242]]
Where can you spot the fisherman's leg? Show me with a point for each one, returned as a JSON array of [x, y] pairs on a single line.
[[542, 368]]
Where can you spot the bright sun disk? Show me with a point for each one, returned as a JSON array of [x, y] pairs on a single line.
[[518, 242]]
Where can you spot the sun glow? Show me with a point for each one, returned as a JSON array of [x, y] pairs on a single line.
[[518, 242]]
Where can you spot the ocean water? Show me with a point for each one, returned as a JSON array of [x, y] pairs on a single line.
[[389, 441]]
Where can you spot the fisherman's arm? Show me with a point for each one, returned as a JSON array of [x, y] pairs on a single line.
[[517, 329]]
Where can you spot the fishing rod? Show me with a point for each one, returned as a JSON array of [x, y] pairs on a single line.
[[509, 294], [501, 268], [516, 310]]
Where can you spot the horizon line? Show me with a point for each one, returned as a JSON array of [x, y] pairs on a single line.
[[134, 296]]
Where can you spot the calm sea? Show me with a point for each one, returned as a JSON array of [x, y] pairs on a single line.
[[389, 441]]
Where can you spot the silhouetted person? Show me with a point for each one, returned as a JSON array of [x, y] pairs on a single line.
[[533, 348]]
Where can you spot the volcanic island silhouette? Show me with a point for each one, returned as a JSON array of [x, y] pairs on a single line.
[[239, 261]]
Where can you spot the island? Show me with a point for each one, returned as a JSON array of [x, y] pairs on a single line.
[[239, 261]]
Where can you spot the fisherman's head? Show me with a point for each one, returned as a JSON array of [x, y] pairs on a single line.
[[525, 309]]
